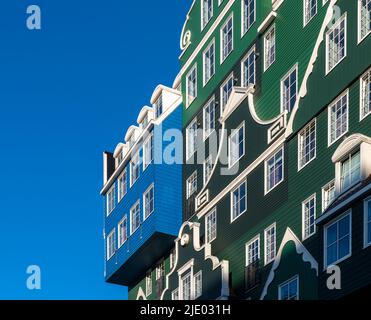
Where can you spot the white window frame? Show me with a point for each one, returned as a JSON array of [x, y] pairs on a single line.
[[233, 219], [287, 283], [325, 194], [328, 225], [197, 282], [207, 75], [134, 165], [204, 23], [193, 176], [268, 32], [222, 44], [252, 51], [209, 160], [150, 188], [359, 18], [362, 93], [302, 146], [231, 136], [366, 205], [329, 128], [148, 151], [211, 230], [111, 191], [109, 253], [188, 100], [194, 132], [266, 170], [350, 157], [207, 131], [149, 284], [247, 251], [131, 217], [175, 294], [306, 16], [245, 27], [120, 241], [222, 105], [122, 185], [306, 235], [268, 260], [336, 25], [284, 78]]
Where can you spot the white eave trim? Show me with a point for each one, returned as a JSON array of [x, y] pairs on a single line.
[[348, 145], [238, 94], [267, 22]]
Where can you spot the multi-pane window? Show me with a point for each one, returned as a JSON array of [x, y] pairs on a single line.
[[338, 118], [210, 226], [148, 201], [367, 226], [307, 144], [289, 90], [191, 85], [198, 284], [158, 107], [148, 284], [248, 14], [269, 47], [338, 240], [208, 167], [239, 201], [191, 185], [328, 194], [160, 270], [226, 35], [365, 94], [134, 217], [253, 251], [289, 290], [270, 244], [206, 12], [209, 62], [336, 44], [186, 282], [364, 18], [175, 295], [236, 143], [148, 151], [122, 185], [111, 196], [209, 117], [123, 231], [225, 92], [351, 170], [248, 68], [111, 244], [191, 138], [310, 10], [309, 217], [134, 168], [120, 158], [274, 170]]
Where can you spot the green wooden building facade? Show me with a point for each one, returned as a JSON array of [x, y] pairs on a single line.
[[277, 152]]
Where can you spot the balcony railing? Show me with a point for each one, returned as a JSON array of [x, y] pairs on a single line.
[[252, 275], [190, 207]]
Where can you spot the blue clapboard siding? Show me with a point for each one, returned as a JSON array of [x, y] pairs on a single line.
[[163, 224]]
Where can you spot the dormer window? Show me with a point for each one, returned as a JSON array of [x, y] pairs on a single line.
[[120, 157], [131, 141], [145, 121], [352, 163], [158, 107], [351, 170]]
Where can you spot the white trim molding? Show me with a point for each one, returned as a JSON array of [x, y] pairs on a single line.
[[300, 250]]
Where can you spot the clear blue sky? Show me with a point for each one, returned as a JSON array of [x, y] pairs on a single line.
[[67, 93]]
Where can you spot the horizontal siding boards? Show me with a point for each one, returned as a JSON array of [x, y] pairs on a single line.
[[322, 88], [356, 270]]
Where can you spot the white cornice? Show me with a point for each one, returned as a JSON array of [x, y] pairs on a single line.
[[267, 22], [348, 145]]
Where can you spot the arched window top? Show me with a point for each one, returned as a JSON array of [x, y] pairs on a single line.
[[348, 145]]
